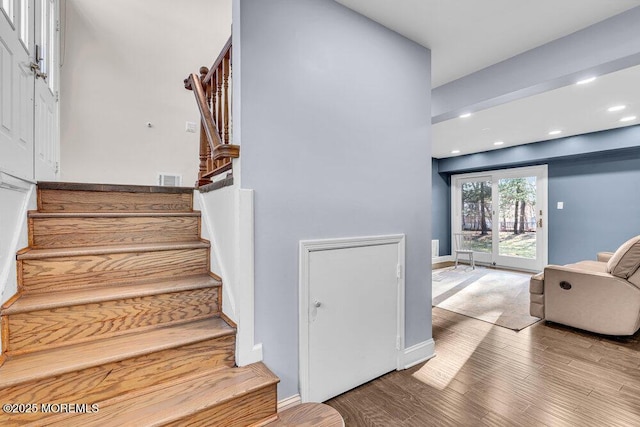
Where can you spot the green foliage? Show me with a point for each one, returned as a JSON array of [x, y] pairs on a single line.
[[476, 205]]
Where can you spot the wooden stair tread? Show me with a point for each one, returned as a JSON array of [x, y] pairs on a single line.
[[79, 186], [32, 253], [309, 415], [74, 357], [180, 400], [32, 302], [123, 214], [116, 306]]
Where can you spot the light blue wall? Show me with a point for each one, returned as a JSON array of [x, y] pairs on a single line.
[[441, 208], [335, 136], [601, 198], [596, 176]]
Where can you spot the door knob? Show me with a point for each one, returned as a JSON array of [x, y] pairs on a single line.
[[35, 67], [317, 303]]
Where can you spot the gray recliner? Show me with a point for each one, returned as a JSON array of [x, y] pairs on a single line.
[[601, 296]]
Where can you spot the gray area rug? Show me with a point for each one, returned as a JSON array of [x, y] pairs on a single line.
[[495, 296]]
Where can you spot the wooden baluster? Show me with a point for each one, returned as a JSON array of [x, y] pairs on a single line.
[[225, 76], [207, 88], [210, 106], [205, 157], [218, 113], [219, 78], [214, 111]]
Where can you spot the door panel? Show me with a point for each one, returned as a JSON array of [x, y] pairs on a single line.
[[353, 317], [476, 218], [517, 218], [16, 101], [46, 105]]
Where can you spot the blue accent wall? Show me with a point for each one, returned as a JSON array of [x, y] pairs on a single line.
[[599, 186], [585, 145], [441, 209], [601, 199]]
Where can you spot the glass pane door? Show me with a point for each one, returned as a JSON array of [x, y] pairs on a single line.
[[517, 217], [500, 214], [476, 222]]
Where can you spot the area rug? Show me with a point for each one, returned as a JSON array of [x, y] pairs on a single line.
[[495, 296]]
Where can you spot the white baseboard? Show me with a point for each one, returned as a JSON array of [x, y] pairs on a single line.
[[289, 402], [418, 353]]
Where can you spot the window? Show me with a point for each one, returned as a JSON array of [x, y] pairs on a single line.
[[51, 45], [7, 8], [25, 23], [43, 40]]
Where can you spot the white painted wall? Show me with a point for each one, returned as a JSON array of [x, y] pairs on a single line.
[[16, 198], [123, 62], [227, 222]]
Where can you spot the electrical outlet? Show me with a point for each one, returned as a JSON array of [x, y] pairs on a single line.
[[190, 127], [560, 205]]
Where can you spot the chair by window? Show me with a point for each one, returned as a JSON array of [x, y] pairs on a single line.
[[462, 244]]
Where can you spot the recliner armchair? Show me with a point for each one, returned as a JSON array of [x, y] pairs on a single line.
[[600, 296]]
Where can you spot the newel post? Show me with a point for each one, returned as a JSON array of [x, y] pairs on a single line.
[[205, 149]]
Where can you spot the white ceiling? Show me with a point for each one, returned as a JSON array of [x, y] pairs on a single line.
[[574, 109], [468, 35]]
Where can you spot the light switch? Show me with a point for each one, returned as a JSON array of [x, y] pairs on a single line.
[[560, 205], [190, 127]]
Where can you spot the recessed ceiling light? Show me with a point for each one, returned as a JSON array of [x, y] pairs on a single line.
[[585, 81], [465, 115], [616, 108], [498, 143], [455, 151], [555, 132], [628, 119]]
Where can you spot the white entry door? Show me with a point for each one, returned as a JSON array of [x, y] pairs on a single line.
[[351, 315], [47, 152], [29, 142], [16, 88]]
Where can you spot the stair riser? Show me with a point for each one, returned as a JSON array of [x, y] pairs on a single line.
[[108, 201], [254, 408], [31, 331], [131, 375], [72, 272], [91, 231]]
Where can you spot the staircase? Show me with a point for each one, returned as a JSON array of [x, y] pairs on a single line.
[[117, 320]]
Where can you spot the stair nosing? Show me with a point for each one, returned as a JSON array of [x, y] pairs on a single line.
[[113, 188], [43, 253], [124, 214], [87, 298], [258, 382], [222, 329]]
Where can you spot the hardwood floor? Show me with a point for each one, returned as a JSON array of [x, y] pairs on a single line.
[[484, 374]]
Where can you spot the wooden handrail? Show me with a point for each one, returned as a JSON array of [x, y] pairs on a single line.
[[216, 63], [211, 90], [203, 105]]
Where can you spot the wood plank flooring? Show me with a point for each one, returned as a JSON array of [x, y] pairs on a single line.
[[483, 374]]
